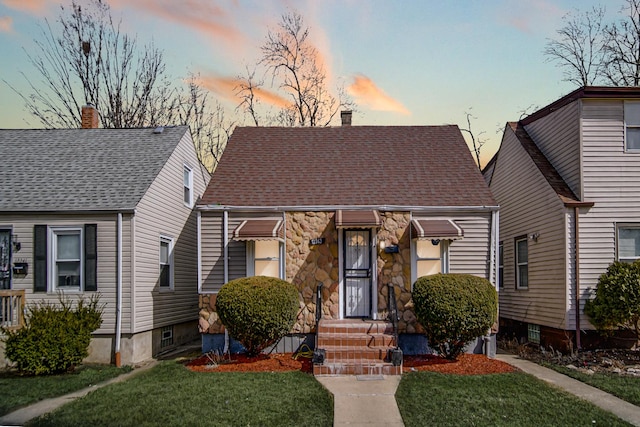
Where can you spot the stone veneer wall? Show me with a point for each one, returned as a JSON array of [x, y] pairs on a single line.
[[306, 265], [396, 269]]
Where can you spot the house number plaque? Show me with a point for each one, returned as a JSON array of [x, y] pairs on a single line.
[[317, 241]]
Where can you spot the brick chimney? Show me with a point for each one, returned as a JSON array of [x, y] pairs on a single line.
[[345, 116], [89, 116]]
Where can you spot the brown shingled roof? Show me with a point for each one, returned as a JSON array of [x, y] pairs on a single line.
[[347, 166], [550, 173]]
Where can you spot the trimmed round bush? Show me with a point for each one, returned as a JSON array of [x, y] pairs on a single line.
[[55, 338], [617, 301], [454, 309], [257, 311]]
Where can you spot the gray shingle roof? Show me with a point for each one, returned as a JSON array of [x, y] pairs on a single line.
[[347, 166], [81, 169]]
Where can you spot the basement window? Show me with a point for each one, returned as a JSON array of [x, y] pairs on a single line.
[[166, 336], [533, 333]]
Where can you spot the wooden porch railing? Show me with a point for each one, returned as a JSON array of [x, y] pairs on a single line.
[[12, 304]]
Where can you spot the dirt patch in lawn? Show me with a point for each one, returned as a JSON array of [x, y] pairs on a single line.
[[467, 364]]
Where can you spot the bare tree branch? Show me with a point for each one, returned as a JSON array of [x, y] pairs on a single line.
[[477, 142]]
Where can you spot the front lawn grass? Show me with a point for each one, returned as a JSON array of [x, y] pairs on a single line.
[[623, 386], [515, 399], [172, 395], [18, 391]]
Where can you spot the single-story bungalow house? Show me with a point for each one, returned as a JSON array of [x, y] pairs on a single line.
[[351, 215]]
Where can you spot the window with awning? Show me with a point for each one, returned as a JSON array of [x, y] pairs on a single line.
[[357, 219], [435, 229], [259, 229]]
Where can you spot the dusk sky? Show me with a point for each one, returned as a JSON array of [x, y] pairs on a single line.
[[404, 62]]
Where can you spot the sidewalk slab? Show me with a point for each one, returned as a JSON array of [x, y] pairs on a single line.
[[364, 400], [624, 410]]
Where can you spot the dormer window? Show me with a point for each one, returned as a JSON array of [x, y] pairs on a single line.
[[188, 186], [632, 125]]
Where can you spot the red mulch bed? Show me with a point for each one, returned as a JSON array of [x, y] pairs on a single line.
[[467, 364]]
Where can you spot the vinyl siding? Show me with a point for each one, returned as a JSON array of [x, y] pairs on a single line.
[[212, 254], [529, 205], [471, 254], [558, 137], [612, 181], [162, 212], [22, 226]]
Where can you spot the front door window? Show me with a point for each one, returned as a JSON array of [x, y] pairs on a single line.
[[5, 259], [357, 273]]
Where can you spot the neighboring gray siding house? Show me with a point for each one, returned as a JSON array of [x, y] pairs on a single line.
[[106, 211], [357, 210], [566, 180]]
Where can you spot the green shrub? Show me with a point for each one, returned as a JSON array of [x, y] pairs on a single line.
[[617, 301], [55, 337], [454, 309], [257, 311]]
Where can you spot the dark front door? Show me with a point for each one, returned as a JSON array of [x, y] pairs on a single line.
[[357, 273], [5, 259]]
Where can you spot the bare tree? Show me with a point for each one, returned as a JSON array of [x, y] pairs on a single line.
[[296, 69], [86, 58], [622, 50], [579, 47], [476, 141]]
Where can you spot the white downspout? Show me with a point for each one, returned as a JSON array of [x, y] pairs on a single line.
[[225, 243], [119, 292], [199, 248]]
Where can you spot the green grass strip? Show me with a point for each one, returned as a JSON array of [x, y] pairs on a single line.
[[18, 391], [515, 399], [171, 395]]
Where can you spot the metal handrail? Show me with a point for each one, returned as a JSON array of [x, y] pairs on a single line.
[[318, 303], [393, 311]]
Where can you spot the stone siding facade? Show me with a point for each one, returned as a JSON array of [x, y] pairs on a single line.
[[307, 265]]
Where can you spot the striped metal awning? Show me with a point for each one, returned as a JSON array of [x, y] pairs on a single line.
[[436, 229], [259, 229], [357, 219]]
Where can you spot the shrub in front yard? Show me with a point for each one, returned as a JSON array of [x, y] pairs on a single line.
[[617, 301], [258, 310], [454, 309], [55, 337]]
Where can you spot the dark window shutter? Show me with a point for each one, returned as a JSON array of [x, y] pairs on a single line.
[[40, 258], [90, 257]]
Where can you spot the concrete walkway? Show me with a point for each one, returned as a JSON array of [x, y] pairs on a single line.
[[23, 415], [364, 400], [625, 410]]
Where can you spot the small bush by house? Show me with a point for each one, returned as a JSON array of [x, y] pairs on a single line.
[[617, 300], [257, 311], [55, 337], [454, 309]]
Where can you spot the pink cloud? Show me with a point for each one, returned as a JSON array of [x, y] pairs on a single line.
[[35, 7], [199, 15], [228, 87], [367, 93], [6, 24], [530, 15]]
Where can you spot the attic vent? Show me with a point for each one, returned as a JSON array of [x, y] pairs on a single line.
[[159, 129]]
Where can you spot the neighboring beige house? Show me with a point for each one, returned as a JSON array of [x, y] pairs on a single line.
[[356, 211], [108, 212], [566, 179]]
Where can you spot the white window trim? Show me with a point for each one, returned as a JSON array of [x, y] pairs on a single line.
[[53, 232], [251, 259], [187, 168], [444, 258], [169, 240], [626, 227], [519, 264], [626, 126]]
